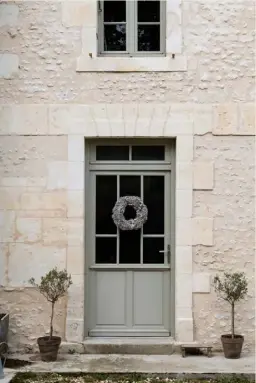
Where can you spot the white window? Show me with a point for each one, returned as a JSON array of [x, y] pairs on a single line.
[[132, 28]]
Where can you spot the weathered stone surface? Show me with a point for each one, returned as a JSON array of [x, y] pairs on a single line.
[[247, 120], [202, 231], [28, 156], [78, 13], [75, 232], [72, 119], [50, 108], [185, 148], [75, 204], [184, 330], [55, 232], [30, 312], [201, 283], [8, 14], [225, 119], [184, 260], [203, 119], [203, 176], [76, 176], [184, 175], [183, 225], [25, 119], [184, 284], [57, 175], [9, 65], [36, 261], [28, 230], [44, 201], [231, 203], [75, 330], [4, 249], [7, 226], [10, 198], [184, 203], [75, 259], [223, 57], [76, 148]]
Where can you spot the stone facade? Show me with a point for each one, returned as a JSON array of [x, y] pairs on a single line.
[[50, 106]]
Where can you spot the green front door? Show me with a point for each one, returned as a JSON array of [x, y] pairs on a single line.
[[130, 271]]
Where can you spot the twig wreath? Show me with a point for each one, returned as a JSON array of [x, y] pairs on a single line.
[[133, 223]]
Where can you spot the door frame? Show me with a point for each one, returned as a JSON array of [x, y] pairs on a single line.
[[171, 143]]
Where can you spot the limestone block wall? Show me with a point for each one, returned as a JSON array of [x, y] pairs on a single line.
[[48, 109]]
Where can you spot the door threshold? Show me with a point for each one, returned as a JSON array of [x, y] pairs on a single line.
[[130, 345]]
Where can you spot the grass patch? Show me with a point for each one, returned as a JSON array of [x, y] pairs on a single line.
[[29, 377]]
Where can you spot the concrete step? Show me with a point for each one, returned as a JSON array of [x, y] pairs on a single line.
[[135, 346]]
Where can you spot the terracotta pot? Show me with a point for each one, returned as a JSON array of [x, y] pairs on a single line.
[[49, 348], [232, 347]]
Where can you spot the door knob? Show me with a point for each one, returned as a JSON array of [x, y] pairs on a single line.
[[168, 252]]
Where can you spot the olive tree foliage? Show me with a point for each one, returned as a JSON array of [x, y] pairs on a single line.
[[53, 286], [231, 288]]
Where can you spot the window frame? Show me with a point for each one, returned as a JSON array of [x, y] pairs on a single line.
[[131, 32]]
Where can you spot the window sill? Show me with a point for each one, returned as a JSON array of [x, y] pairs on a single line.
[[134, 64]]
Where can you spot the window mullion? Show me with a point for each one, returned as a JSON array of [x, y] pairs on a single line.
[[135, 26], [100, 26], [131, 26], [128, 27], [163, 25]]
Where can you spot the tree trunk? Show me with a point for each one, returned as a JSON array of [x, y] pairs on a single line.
[[233, 319], [51, 326]]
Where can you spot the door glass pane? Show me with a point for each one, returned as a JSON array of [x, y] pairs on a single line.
[[114, 11], [148, 11], [106, 196], [148, 153], [115, 37], [149, 38], [154, 200], [106, 250], [151, 248], [112, 153], [129, 240], [129, 246], [129, 185]]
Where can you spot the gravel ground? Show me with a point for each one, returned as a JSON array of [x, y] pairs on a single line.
[[128, 378]]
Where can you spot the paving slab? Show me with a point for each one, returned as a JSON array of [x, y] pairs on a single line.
[[146, 364], [8, 375]]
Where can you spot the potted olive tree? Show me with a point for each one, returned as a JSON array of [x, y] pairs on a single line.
[[232, 288], [53, 286]]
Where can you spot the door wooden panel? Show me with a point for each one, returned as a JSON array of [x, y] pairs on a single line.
[[110, 298], [148, 298]]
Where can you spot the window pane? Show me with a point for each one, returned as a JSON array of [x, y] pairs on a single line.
[[112, 153], [148, 37], [106, 195], [115, 37], [154, 200], [151, 248], [129, 246], [149, 11], [114, 11], [148, 153], [129, 185], [105, 250]]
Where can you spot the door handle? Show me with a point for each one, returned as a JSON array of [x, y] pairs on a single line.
[[168, 252]]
